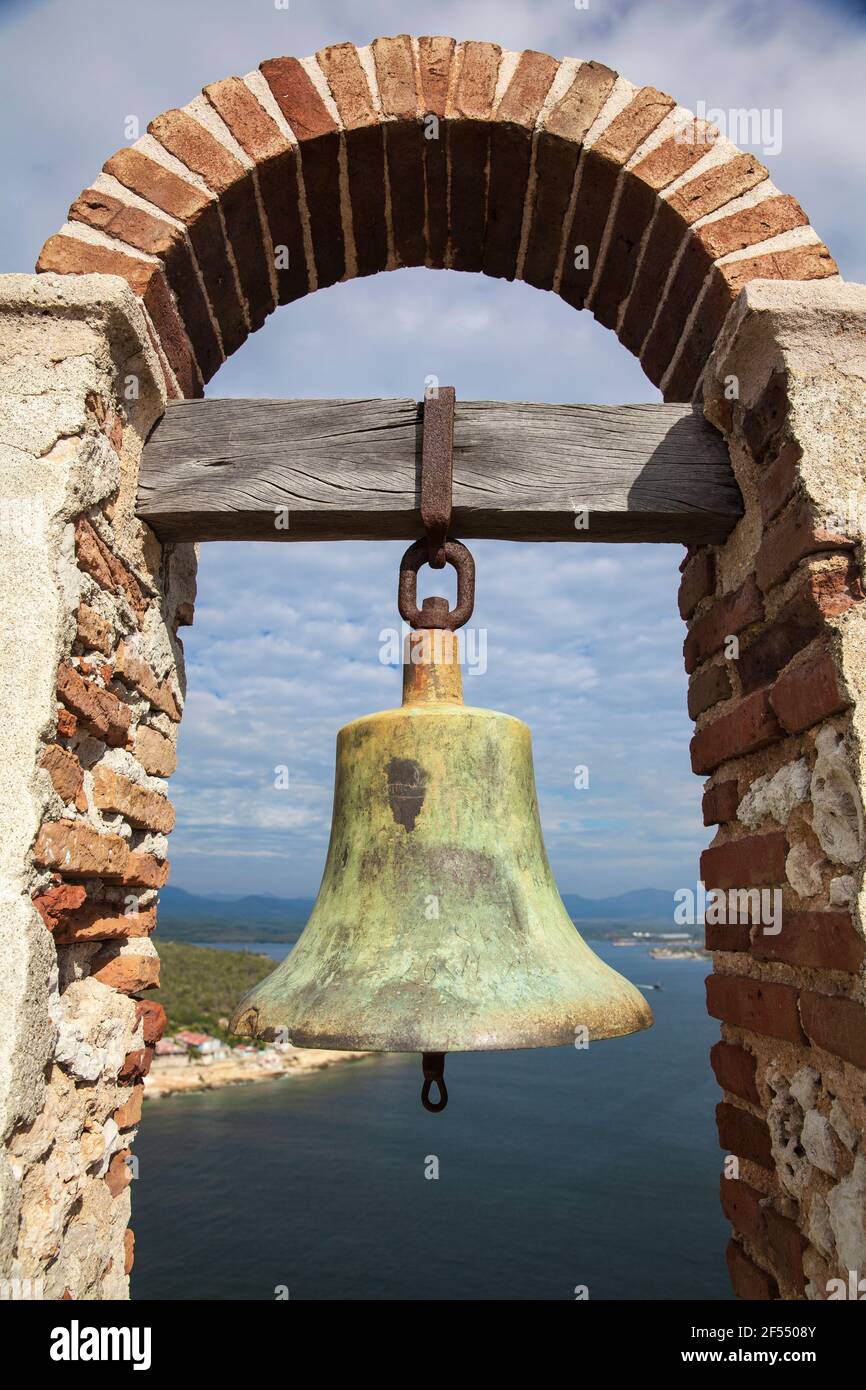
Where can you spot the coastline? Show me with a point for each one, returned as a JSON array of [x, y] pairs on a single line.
[[169, 1077]]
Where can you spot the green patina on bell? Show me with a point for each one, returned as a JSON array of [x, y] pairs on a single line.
[[438, 926]]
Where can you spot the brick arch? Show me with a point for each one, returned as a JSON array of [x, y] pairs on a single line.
[[452, 155]]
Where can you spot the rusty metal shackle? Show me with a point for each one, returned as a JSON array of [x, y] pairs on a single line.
[[436, 549], [407, 593]]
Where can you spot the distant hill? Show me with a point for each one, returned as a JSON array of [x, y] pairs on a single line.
[[185, 916], [654, 905]]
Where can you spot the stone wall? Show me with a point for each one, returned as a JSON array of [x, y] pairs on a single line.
[[91, 679], [775, 652]]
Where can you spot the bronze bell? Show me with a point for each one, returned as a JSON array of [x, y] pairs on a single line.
[[438, 926]]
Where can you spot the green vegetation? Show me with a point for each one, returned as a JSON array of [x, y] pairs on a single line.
[[200, 986]]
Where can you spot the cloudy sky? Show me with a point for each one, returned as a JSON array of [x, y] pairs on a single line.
[[286, 645]]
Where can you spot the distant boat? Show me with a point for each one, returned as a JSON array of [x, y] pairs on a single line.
[[649, 986]]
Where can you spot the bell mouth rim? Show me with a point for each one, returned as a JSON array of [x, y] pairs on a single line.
[[322, 1042]]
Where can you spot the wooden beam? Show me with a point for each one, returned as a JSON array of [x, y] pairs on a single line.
[[350, 470]]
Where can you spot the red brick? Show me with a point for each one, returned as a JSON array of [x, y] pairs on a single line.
[[200, 214], [157, 237], [277, 170], [764, 422], [557, 152], [156, 184], [66, 773], [145, 871], [680, 299], [129, 1114], [67, 724], [317, 134], [395, 76], [749, 1281], [99, 711], [674, 156], [786, 1243], [201, 152], [743, 1134], [751, 225], [741, 1204], [404, 146], [119, 1174], [599, 177], [142, 808], [97, 560], [68, 256], [721, 183], [135, 1066], [365, 153], [683, 382], [811, 262], [435, 57], [78, 850], [826, 592], [751, 725], [720, 802], [759, 1006], [728, 616], [601, 167], [707, 688], [734, 1070], [776, 486], [808, 690], [134, 672], [837, 1025], [56, 902], [796, 534], [154, 1019], [824, 940], [128, 974], [634, 124], [154, 751], [93, 632], [726, 936], [666, 235], [101, 921], [754, 861], [348, 84], [469, 112], [634, 212], [510, 155]]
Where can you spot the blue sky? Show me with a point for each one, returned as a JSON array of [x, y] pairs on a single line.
[[584, 641]]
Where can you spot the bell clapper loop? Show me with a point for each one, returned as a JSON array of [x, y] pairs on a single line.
[[433, 1066]]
